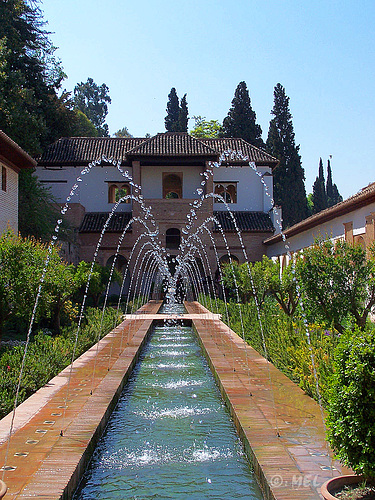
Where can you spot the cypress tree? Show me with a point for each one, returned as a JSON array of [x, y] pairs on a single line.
[[177, 116], [319, 191], [333, 195], [183, 115], [288, 176], [241, 119]]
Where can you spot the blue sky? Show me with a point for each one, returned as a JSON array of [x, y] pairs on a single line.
[[322, 52]]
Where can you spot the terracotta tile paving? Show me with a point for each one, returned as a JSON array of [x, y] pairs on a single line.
[[263, 402]]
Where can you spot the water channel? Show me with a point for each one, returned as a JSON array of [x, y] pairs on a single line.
[[170, 436]]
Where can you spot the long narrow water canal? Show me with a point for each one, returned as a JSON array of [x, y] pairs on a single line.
[[171, 436]]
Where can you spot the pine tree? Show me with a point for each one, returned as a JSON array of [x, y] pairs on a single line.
[[177, 115], [319, 191], [288, 176], [241, 119], [333, 195]]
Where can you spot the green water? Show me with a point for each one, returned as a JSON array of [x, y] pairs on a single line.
[[170, 436]]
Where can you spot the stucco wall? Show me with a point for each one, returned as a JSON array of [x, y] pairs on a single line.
[[251, 193], [9, 201], [332, 229], [92, 192]]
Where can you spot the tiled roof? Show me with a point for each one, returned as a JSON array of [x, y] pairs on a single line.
[[239, 145], [246, 221], [93, 222], [364, 197], [83, 150], [13, 155], [172, 144]]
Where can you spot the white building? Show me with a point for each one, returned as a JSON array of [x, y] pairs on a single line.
[[12, 160]]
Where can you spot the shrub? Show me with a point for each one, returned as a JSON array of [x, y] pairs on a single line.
[[351, 405]]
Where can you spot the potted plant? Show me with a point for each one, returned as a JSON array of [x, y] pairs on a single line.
[[351, 409]]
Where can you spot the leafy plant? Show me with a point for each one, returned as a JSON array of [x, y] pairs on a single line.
[[351, 405]]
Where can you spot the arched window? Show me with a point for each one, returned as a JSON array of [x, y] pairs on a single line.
[[117, 190], [120, 264], [228, 190], [172, 238], [225, 259], [172, 186]]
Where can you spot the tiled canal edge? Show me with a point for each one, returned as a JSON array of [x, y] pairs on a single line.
[[264, 402], [41, 463]]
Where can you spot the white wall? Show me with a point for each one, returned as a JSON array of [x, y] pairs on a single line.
[[152, 180], [9, 201], [329, 230], [251, 193], [92, 192]]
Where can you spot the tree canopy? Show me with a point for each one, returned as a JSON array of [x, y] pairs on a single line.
[[289, 176], [177, 113], [241, 119], [204, 129], [93, 100]]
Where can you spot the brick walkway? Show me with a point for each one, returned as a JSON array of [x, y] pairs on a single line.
[[45, 465]]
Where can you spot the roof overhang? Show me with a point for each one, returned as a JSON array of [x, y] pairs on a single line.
[[13, 156]]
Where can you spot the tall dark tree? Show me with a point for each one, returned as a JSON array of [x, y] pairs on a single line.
[[241, 119], [333, 195], [289, 175], [319, 195], [31, 113], [183, 115], [93, 101], [177, 114]]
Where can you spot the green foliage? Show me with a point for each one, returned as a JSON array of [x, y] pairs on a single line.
[[319, 195], [288, 176], [177, 114], [47, 356], [241, 119], [22, 261], [123, 132], [351, 406], [92, 100], [82, 126], [204, 129], [339, 283], [37, 214], [31, 112], [260, 279]]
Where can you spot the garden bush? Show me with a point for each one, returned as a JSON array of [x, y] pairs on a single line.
[[47, 355]]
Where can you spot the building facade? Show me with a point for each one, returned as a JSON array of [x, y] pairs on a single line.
[[12, 160], [352, 220], [168, 170]]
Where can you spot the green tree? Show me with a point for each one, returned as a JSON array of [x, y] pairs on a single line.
[[123, 132], [204, 129], [241, 119], [319, 195], [93, 101], [333, 195], [183, 115], [30, 75], [288, 176], [82, 126], [37, 214], [339, 283], [177, 115], [21, 266]]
